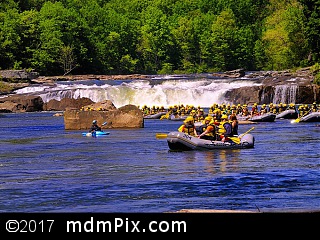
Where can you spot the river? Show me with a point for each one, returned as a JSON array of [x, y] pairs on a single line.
[[45, 168]]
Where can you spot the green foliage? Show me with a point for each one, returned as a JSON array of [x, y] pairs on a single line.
[[284, 43], [166, 68], [159, 36], [311, 10], [128, 64]]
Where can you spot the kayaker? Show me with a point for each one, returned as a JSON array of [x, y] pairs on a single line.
[[94, 126]]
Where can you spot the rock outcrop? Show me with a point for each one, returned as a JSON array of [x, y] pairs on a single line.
[[21, 103], [300, 82], [15, 75], [129, 116], [55, 105]]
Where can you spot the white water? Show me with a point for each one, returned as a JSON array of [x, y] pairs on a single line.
[[159, 91], [285, 94]]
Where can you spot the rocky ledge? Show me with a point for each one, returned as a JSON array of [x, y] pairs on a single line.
[[307, 92]]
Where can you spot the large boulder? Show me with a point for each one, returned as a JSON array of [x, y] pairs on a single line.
[[21, 103], [55, 105], [129, 116]]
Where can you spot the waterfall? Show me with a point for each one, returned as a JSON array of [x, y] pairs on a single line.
[[285, 94], [160, 91]]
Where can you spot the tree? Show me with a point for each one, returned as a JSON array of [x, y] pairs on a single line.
[[10, 39], [311, 11], [67, 59], [283, 40], [223, 41]]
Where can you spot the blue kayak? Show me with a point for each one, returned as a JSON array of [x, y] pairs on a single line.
[[96, 133]]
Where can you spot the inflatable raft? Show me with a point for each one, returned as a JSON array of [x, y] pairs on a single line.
[[173, 117], [95, 134], [311, 117], [287, 114], [155, 116], [179, 141], [267, 117]]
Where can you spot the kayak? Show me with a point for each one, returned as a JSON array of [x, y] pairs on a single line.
[[96, 133], [184, 142]]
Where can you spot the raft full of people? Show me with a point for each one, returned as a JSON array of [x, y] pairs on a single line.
[[210, 134]]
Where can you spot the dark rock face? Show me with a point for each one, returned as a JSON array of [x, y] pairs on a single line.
[[244, 95], [296, 86], [308, 94], [266, 94]]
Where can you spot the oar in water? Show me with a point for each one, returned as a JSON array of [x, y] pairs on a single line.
[[161, 135]]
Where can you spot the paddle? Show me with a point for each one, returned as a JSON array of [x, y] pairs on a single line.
[[241, 135], [237, 140], [161, 135], [298, 119]]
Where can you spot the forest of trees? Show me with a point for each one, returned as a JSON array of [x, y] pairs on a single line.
[[158, 36]]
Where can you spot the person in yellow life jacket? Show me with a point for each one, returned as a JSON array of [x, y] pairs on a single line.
[[225, 129], [209, 132], [188, 126], [200, 128]]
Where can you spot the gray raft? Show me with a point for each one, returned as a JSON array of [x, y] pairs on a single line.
[[287, 114], [179, 141], [311, 117]]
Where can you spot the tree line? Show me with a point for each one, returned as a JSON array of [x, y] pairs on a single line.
[[158, 36]]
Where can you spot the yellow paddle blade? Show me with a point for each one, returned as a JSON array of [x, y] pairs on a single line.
[[296, 120], [161, 135], [235, 139]]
